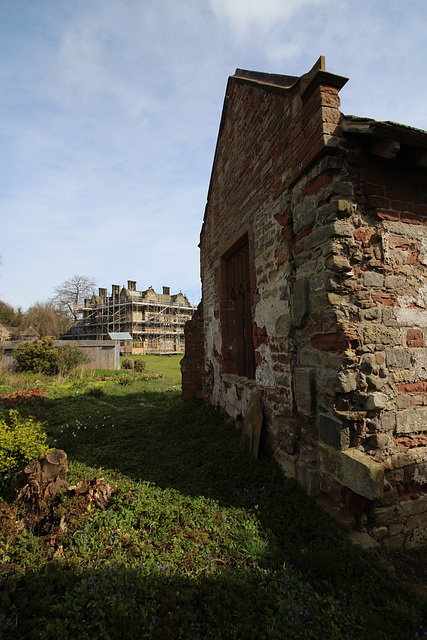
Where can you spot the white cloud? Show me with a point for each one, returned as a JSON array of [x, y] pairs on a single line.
[[278, 52], [243, 15]]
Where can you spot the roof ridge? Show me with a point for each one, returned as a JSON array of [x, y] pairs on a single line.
[[275, 79]]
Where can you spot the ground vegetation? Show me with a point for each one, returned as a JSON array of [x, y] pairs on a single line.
[[196, 541]]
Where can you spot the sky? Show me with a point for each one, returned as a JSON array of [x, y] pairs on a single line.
[[109, 114]]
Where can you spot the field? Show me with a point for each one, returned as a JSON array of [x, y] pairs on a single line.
[[197, 540], [166, 366]]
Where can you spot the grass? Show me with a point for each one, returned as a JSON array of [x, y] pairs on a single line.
[[197, 541], [166, 366]]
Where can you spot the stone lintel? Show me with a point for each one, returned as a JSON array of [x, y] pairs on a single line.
[[353, 469]]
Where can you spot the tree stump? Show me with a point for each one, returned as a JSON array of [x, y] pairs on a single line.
[[38, 485]]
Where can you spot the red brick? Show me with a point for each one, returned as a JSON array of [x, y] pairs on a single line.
[[331, 341], [414, 338], [373, 189], [378, 202], [367, 235], [387, 215], [410, 218], [413, 387], [354, 503], [405, 195], [388, 300], [303, 234], [285, 218], [321, 182]]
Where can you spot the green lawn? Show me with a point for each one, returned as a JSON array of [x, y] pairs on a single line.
[[197, 541], [167, 366]]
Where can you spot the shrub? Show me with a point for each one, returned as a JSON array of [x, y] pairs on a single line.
[[37, 357], [70, 357], [42, 357], [139, 365], [21, 440], [127, 363]]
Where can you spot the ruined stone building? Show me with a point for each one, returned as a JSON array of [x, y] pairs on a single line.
[[314, 305], [155, 321]]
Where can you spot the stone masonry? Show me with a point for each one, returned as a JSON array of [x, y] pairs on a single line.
[[333, 210]]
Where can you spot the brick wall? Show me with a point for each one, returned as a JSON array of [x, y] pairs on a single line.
[[337, 233], [192, 364]]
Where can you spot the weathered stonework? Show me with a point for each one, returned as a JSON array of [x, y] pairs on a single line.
[[333, 210], [192, 365]]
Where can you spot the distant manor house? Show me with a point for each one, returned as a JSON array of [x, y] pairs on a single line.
[[312, 329], [154, 321]]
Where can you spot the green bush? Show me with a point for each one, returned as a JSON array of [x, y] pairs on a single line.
[[37, 357], [139, 365], [42, 357], [127, 363], [21, 440], [70, 357]]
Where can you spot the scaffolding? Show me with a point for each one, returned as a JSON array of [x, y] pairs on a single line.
[[155, 321]]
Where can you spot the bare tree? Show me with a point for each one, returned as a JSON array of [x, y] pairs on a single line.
[[69, 295]]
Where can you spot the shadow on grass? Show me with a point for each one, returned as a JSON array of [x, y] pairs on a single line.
[[152, 436], [122, 603]]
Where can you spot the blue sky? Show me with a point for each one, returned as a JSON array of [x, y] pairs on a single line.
[[110, 109]]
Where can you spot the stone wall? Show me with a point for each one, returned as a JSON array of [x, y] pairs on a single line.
[[335, 213], [387, 298]]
